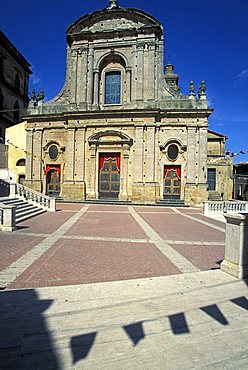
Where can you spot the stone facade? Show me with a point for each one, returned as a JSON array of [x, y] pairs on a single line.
[[120, 110], [14, 78]]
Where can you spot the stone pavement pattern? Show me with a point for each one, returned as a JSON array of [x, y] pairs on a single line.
[[131, 305], [86, 244], [188, 321]]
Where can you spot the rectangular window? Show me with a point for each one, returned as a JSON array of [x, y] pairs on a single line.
[[211, 178], [113, 88]]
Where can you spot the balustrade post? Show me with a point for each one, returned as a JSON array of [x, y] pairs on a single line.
[[12, 190], [9, 220], [236, 246], [52, 207]]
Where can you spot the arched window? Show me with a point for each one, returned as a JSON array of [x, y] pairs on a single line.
[[16, 114], [21, 162], [113, 87]]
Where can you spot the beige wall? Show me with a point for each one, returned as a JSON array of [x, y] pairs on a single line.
[[16, 135]]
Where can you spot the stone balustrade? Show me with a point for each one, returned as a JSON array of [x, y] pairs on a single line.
[[224, 207], [38, 199]]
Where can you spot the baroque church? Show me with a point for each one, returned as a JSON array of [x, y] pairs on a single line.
[[120, 128]]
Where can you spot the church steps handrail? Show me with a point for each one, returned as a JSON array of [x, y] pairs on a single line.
[[7, 217], [32, 196], [225, 206]]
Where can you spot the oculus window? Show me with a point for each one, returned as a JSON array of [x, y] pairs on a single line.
[[172, 152], [113, 87], [53, 152]]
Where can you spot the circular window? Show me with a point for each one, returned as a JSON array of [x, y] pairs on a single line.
[[53, 152], [172, 152]]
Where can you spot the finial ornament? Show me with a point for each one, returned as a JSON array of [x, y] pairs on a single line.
[[191, 88], [202, 89], [113, 4]]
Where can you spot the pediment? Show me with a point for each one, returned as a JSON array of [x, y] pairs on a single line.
[[117, 20], [110, 137]]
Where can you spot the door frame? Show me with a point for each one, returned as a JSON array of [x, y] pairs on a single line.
[[57, 168], [178, 169], [109, 155]]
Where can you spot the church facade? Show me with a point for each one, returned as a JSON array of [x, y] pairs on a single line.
[[120, 128]]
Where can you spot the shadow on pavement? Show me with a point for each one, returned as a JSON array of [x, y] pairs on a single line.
[[81, 346], [25, 339], [135, 332], [214, 312], [179, 324]]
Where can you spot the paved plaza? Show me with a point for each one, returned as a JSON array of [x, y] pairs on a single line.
[[120, 287], [95, 243]]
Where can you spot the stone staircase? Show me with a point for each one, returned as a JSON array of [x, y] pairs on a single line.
[[171, 203], [24, 209], [214, 196]]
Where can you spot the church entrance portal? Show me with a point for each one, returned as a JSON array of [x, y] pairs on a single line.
[[109, 175], [172, 182], [53, 180]]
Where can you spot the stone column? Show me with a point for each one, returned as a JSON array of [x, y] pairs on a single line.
[[92, 168], [82, 78], [191, 155], [151, 79], [96, 89], [70, 156], [138, 184], [29, 157], [90, 78], [134, 74], [37, 152], [73, 87], [202, 174], [139, 154], [150, 154], [236, 247], [128, 84], [140, 71], [124, 173], [80, 154]]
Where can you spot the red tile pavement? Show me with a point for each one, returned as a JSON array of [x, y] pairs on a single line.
[[177, 227], [69, 206], [107, 224], [14, 246], [191, 210], [210, 220], [46, 223], [202, 256], [103, 207], [148, 209], [73, 261], [76, 262]]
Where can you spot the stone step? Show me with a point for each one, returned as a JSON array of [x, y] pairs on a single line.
[[28, 215], [24, 210]]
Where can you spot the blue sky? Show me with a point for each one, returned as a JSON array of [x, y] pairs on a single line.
[[205, 39]]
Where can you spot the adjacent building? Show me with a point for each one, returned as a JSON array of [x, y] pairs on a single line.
[[14, 78], [120, 128]]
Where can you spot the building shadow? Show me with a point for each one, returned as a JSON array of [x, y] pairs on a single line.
[[25, 339]]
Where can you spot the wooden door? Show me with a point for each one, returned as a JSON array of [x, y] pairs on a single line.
[[172, 182], [53, 182], [109, 176]]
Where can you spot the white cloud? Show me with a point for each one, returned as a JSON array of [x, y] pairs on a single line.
[[35, 79], [241, 77]]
